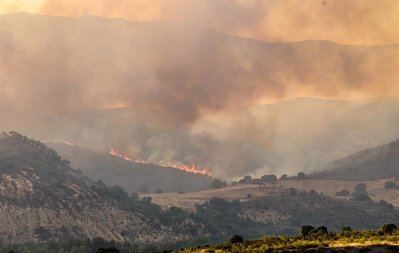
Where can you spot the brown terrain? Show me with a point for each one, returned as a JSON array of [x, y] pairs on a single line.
[[188, 201]]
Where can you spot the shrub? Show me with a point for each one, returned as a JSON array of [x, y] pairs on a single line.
[[271, 179], [342, 193], [249, 196], [301, 175], [284, 177], [237, 239], [306, 230], [388, 228], [217, 184], [108, 250], [158, 191], [257, 181], [361, 196], [246, 180], [322, 230], [292, 191], [386, 204], [347, 229], [391, 185]]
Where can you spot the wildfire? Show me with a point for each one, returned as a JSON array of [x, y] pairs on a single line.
[[191, 169], [61, 142]]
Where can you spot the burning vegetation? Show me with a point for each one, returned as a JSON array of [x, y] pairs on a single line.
[[173, 165]]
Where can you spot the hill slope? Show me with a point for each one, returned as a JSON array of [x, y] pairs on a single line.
[[42, 198], [375, 163], [131, 176]]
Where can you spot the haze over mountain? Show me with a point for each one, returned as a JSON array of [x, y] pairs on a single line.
[[170, 79], [267, 20]]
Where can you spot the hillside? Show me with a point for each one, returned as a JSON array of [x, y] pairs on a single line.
[[275, 209], [43, 198], [318, 241], [374, 163], [131, 176]]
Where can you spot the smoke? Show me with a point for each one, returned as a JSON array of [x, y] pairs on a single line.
[[169, 91], [351, 22]]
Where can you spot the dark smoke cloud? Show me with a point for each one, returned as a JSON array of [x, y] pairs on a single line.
[[65, 78]]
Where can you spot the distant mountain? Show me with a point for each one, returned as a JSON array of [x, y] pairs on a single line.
[[130, 175], [374, 163]]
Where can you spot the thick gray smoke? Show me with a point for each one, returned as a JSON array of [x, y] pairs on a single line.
[[158, 91]]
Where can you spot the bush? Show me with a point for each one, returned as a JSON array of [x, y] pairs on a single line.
[[257, 181], [388, 228], [391, 185], [343, 193], [301, 175], [246, 180], [385, 204], [108, 250], [236, 239], [347, 229], [306, 230], [158, 191], [361, 196], [292, 191], [284, 177], [322, 230], [271, 179], [217, 184]]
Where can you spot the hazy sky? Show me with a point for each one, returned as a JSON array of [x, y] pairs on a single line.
[[343, 21]]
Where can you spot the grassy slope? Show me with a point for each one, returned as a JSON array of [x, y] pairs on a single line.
[[344, 242]]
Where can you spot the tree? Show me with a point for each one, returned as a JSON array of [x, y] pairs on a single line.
[[284, 177], [361, 188], [322, 230], [301, 175], [246, 180], [306, 230], [388, 228], [236, 239], [361, 196], [391, 185], [217, 184], [271, 179]]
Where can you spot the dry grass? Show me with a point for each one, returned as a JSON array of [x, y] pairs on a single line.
[[187, 201]]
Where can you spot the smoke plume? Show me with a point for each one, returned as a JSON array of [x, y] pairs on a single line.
[[168, 91]]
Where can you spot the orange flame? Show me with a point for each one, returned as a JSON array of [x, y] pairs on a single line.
[[175, 165], [61, 142]]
